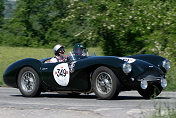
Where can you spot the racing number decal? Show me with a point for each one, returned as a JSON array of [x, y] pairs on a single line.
[[61, 74], [129, 60]]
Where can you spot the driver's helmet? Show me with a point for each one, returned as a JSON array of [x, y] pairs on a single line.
[[58, 48], [78, 49]]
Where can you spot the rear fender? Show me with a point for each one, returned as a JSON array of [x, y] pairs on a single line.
[[11, 74]]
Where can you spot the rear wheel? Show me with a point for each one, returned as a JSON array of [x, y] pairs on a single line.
[[152, 91], [105, 83], [29, 82]]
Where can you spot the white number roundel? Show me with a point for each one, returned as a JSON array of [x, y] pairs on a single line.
[[61, 74], [129, 60]]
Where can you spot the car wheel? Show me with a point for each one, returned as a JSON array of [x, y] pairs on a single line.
[[105, 84], [29, 82], [152, 91]]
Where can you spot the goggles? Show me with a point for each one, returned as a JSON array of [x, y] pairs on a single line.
[[61, 50]]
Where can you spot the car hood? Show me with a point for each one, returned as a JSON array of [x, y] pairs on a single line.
[[141, 66]]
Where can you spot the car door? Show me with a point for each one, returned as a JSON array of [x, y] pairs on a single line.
[[66, 76], [56, 75]]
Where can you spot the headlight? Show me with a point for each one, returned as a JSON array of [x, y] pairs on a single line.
[[163, 82], [144, 84], [166, 64], [127, 68]]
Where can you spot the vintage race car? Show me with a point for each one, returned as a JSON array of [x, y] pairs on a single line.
[[106, 76]]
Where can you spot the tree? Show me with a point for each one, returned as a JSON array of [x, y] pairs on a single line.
[[32, 19], [128, 27], [1, 12], [52, 11], [74, 27], [1, 19]]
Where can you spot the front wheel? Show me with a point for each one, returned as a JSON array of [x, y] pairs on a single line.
[[29, 82], [152, 91], [105, 83]]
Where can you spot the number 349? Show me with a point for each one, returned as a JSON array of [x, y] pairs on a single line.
[[61, 72]]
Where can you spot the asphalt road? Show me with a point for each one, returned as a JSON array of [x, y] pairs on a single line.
[[53, 105]]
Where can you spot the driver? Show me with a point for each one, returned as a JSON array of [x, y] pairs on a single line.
[[59, 54], [78, 49]]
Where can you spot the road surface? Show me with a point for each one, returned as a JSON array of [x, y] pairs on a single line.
[[53, 105]]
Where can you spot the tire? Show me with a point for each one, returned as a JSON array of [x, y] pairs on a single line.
[[152, 91], [105, 84], [29, 82]]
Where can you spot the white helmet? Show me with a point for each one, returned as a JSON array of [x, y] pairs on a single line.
[[56, 48]]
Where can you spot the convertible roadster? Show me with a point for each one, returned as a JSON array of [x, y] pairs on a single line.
[[106, 76]]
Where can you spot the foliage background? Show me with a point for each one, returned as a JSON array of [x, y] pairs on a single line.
[[119, 27]]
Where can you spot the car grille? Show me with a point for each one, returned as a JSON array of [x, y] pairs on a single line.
[[150, 76]]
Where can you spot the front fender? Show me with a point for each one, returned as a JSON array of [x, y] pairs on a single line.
[[153, 59]]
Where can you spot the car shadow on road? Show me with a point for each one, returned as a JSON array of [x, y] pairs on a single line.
[[68, 96], [84, 96], [61, 96], [136, 98]]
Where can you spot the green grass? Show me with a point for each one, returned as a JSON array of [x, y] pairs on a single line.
[[171, 78], [165, 114], [9, 55], [164, 111]]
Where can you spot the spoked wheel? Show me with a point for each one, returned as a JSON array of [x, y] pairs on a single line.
[[28, 82], [152, 91], [105, 83]]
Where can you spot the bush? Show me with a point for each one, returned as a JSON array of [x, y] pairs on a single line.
[[124, 26]]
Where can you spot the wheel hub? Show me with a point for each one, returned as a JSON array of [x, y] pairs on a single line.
[[27, 81], [104, 83]]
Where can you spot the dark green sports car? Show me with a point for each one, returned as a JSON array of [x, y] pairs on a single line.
[[106, 76]]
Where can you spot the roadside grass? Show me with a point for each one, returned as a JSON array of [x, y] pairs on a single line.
[[164, 111], [9, 55], [165, 114], [171, 78]]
